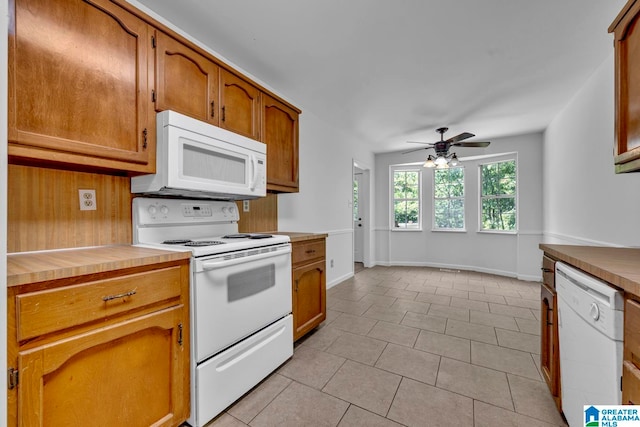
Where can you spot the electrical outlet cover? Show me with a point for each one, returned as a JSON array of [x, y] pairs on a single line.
[[87, 200]]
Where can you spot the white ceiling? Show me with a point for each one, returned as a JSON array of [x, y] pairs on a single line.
[[389, 71]]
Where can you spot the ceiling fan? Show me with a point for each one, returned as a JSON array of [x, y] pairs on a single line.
[[443, 159]]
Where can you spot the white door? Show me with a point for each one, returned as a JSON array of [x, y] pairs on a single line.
[[358, 234]]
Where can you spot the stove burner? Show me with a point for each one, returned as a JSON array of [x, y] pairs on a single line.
[[176, 242], [204, 243]]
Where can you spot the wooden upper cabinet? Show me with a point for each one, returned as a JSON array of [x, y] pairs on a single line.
[[239, 105], [78, 86], [280, 133], [626, 32], [186, 81]]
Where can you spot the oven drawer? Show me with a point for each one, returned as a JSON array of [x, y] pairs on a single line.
[[307, 251], [225, 377], [47, 311]]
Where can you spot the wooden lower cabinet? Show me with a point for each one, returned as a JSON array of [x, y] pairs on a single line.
[[115, 353], [631, 357], [549, 333], [123, 374], [309, 286]]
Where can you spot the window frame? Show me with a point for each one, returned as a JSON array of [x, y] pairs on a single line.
[[463, 198], [404, 168], [501, 196]]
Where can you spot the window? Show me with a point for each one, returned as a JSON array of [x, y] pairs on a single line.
[[356, 195], [448, 199], [498, 196], [406, 199]]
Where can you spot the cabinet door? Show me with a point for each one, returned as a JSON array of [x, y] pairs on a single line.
[[631, 362], [240, 105], [130, 373], [78, 86], [546, 334], [309, 297], [627, 87], [280, 133], [186, 81]]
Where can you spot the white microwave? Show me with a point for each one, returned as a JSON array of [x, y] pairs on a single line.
[[196, 159]]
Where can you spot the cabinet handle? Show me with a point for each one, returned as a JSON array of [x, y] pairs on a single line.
[[311, 251], [224, 114], [546, 270], [297, 280], [213, 111], [123, 295], [144, 138]]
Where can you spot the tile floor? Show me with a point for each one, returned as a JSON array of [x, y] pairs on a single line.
[[412, 347]]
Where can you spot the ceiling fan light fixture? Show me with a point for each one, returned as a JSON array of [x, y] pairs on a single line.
[[440, 160], [429, 163], [454, 160]]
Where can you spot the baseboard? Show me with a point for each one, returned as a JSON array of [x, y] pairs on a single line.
[[340, 279], [528, 278]]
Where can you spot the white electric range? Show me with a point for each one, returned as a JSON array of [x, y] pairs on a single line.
[[240, 296]]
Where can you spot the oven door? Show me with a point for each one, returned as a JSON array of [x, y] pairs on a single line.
[[236, 294]]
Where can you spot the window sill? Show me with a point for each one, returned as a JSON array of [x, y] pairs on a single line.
[[506, 232], [406, 229], [449, 230]]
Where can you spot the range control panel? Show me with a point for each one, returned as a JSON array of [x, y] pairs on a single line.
[[182, 211]]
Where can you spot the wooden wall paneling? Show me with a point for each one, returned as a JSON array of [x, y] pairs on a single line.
[[43, 210], [262, 215]]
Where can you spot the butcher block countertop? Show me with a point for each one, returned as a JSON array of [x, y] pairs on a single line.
[[617, 266], [301, 237], [33, 267]]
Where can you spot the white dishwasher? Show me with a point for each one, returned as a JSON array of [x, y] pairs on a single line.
[[590, 322]]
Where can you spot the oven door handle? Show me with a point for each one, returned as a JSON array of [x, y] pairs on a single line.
[[221, 262]]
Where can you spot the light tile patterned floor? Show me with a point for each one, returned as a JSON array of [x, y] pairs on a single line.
[[411, 346]]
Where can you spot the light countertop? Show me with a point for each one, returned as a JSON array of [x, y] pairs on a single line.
[[33, 267], [617, 266]]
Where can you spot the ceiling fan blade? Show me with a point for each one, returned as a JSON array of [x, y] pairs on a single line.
[[417, 149], [420, 142], [462, 136], [472, 144]]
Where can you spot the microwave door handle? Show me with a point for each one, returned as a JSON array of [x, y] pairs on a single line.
[[221, 263], [254, 177]]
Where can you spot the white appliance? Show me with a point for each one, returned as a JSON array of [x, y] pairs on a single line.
[[240, 296], [199, 160], [590, 321]]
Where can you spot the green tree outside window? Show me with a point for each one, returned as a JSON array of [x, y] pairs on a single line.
[[498, 196], [406, 199], [448, 203]]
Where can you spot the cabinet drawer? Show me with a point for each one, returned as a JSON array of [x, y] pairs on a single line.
[[306, 251], [632, 332], [43, 312], [548, 272]]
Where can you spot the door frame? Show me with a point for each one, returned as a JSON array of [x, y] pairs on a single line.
[[364, 191]]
